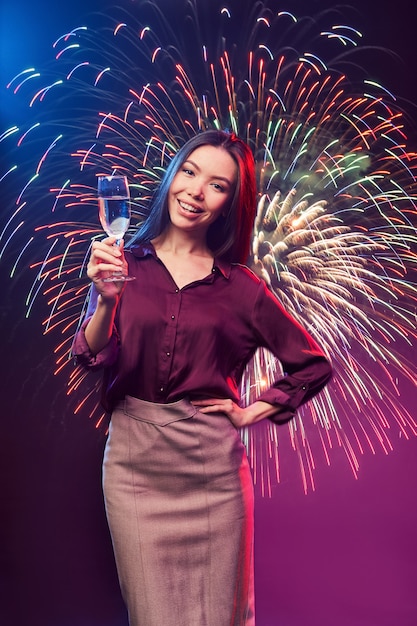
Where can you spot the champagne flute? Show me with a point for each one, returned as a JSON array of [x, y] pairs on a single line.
[[114, 212]]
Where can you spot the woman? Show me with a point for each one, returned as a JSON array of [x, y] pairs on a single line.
[[174, 344]]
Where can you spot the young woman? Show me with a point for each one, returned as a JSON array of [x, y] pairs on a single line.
[[174, 344]]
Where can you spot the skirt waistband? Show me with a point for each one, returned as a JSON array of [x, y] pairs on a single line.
[[155, 412]]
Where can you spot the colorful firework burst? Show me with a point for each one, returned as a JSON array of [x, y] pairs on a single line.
[[335, 231]]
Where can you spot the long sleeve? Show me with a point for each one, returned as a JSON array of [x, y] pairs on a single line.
[[306, 368], [80, 347]]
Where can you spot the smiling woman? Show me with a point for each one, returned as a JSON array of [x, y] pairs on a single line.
[[341, 555], [174, 344]]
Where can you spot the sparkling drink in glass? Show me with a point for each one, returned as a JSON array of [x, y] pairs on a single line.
[[114, 212]]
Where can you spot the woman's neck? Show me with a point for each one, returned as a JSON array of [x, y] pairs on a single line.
[[181, 243]]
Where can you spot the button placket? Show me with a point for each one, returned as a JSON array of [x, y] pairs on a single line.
[[168, 344]]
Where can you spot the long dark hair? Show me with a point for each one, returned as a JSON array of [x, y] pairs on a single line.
[[228, 237]]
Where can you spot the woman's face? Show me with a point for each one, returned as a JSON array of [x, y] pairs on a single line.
[[202, 189]]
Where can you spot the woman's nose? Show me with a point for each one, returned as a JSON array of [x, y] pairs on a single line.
[[195, 190]]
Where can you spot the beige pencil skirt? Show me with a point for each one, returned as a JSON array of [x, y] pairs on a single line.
[[179, 502]]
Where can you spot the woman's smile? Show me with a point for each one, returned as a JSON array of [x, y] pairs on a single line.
[[189, 208]]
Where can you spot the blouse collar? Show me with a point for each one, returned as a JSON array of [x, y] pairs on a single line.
[[142, 250]]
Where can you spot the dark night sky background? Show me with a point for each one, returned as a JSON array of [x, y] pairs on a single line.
[[344, 555]]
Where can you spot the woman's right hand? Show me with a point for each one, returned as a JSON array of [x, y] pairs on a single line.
[[105, 259]]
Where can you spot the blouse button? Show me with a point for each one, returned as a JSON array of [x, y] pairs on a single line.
[[173, 317], [161, 389], [177, 290], [168, 353]]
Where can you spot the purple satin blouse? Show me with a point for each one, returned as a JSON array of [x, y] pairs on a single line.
[[195, 342]]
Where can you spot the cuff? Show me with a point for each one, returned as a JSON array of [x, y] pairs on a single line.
[[83, 355], [281, 399]]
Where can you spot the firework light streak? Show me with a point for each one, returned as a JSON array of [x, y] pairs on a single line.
[[335, 230]]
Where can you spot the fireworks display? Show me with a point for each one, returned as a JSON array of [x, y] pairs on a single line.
[[335, 233]]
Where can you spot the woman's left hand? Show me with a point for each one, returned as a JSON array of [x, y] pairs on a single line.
[[239, 416]]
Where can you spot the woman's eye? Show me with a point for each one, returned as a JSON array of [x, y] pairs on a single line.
[[218, 187], [187, 171]]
